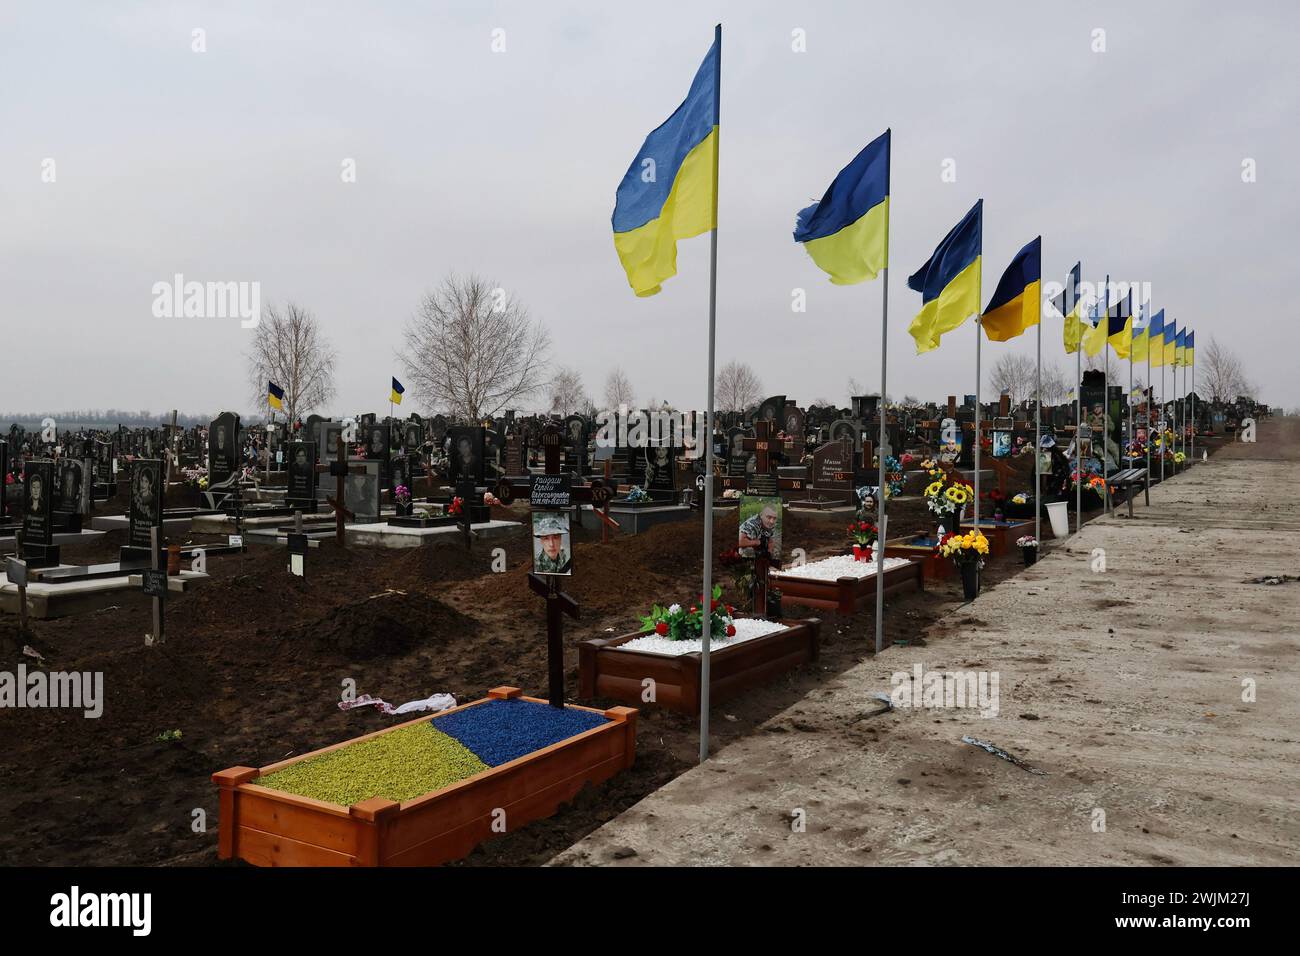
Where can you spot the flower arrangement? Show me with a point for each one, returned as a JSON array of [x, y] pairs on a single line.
[[731, 493], [677, 623], [456, 506], [1179, 457], [402, 495], [907, 460], [637, 494], [1092, 482], [947, 494], [864, 533], [1021, 499], [740, 567], [195, 477], [490, 499], [969, 548], [1026, 541]]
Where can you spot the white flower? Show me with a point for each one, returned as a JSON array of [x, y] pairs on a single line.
[[674, 609]]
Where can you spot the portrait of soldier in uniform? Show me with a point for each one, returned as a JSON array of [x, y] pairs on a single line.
[[551, 554]]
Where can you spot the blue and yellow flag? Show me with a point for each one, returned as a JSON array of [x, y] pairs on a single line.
[[847, 232], [1140, 339], [1171, 343], [1017, 302], [1191, 348], [949, 282], [670, 191], [274, 396], [1156, 338], [1119, 325], [1180, 347], [1070, 304], [1095, 331], [396, 396]]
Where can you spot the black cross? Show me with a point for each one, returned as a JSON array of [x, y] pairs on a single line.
[[557, 605]]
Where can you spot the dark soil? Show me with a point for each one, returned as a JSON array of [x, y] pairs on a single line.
[[255, 661]]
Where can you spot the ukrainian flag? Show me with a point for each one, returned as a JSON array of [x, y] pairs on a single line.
[[396, 395], [670, 191], [1119, 326], [1191, 348], [1070, 304], [949, 282], [847, 232], [1180, 347], [1017, 302], [1171, 344], [1140, 339], [274, 396], [1095, 334], [1156, 336]]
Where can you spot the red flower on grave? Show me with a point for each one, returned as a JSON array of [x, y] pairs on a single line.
[[714, 605], [661, 628], [694, 608], [731, 630]]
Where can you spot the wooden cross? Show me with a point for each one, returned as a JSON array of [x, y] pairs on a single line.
[[761, 445], [340, 469], [557, 605]]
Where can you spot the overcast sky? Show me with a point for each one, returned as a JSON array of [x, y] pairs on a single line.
[[225, 165]]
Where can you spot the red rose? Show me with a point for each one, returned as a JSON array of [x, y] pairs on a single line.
[[713, 606], [731, 630], [694, 609], [661, 627]]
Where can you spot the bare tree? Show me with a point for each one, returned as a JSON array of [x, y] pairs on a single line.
[[290, 350], [1220, 372], [1013, 375], [618, 389], [472, 350], [737, 387], [566, 392], [1055, 385]]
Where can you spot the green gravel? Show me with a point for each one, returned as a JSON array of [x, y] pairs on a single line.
[[399, 765]]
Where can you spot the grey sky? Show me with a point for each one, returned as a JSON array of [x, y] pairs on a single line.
[[225, 165]]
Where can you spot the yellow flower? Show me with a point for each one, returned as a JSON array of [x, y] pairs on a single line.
[[934, 489]]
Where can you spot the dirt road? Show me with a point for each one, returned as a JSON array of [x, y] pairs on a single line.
[[1160, 696]]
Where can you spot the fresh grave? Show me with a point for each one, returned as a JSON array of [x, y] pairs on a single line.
[[422, 792], [843, 583], [662, 663]]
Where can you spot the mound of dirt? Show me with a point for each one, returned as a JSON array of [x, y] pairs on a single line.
[[386, 624]]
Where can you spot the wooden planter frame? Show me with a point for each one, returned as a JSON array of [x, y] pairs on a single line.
[[269, 827], [1002, 538], [934, 567], [846, 595], [605, 669]]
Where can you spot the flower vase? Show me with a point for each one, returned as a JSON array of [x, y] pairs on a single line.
[[1030, 553], [857, 552], [405, 510], [970, 579]]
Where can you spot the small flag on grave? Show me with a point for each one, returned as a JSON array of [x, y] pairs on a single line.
[[949, 282], [1070, 304], [1017, 301], [670, 190], [847, 232], [398, 390], [274, 396]]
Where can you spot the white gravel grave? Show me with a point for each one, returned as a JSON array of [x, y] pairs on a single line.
[[747, 629], [840, 566]]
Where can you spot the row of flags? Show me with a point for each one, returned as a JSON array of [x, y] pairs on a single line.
[[275, 394], [670, 192]]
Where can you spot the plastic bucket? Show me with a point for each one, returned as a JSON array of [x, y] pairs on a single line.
[[1058, 514]]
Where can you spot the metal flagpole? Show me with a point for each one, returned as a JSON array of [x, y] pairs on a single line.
[[1105, 400], [880, 492], [979, 298], [1149, 402], [1038, 427], [706, 607], [1192, 456], [1078, 427]]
